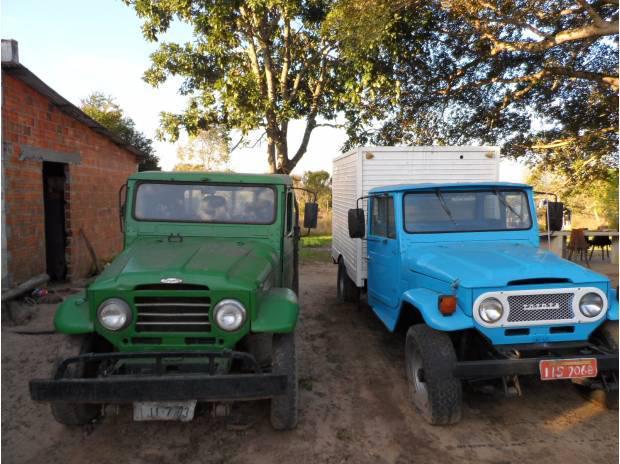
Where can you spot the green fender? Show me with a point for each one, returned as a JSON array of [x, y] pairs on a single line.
[[277, 312], [73, 316]]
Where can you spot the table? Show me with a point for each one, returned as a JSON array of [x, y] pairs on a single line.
[[559, 238]]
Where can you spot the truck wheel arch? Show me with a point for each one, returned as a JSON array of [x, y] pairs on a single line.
[[408, 315], [426, 302]]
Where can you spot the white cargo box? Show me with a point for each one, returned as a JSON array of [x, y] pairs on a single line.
[[364, 168]]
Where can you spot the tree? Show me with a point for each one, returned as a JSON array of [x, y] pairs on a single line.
[[539, 77], [592, 205], [319, 182], [252, 65], [103, 109], [205, 151]]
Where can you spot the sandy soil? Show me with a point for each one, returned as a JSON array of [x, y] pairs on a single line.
[[354, 408]]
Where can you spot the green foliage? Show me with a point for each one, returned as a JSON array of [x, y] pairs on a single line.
[[593, 205], [539, 78], [205, 151], [103, 109], [319, 182], [251, 65]]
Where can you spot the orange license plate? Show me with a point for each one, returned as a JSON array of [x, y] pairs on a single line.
[[555, 369]]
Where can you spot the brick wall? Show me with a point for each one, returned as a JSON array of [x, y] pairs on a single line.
[[91, 191]]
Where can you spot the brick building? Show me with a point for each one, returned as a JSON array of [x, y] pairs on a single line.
[[61, 175]]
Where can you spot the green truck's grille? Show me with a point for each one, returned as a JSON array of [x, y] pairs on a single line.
[[172, 313]]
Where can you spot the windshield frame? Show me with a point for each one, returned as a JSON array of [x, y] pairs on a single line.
[[185, 221], [490, 189]]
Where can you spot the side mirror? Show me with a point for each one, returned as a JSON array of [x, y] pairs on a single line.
[[311, 215], [556, 215], [357, 223]]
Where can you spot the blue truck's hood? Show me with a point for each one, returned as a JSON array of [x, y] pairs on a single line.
[[493, 264]]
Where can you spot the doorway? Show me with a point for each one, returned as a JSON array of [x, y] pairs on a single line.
[[54, 181]]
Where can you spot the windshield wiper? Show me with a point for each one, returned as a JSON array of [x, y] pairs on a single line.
[[505, 203], [444, 205]]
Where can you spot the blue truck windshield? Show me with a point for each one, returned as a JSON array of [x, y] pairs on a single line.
[[466, 211], [213, 203]]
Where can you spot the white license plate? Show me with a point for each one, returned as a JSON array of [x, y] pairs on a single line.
[[164, 410]]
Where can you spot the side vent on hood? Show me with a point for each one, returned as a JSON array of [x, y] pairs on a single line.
[[540, 281], [171, 287]]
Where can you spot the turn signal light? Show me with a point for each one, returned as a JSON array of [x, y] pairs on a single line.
[[447, 304]]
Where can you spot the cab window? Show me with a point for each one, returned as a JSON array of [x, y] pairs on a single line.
[[382, 217], [290, 212]]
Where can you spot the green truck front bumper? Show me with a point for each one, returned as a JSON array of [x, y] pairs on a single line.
[[159, 386]]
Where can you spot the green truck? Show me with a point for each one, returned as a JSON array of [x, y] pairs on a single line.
[[200, 306]]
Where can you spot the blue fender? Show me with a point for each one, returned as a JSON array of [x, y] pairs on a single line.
[[612, 312], [427, 302]]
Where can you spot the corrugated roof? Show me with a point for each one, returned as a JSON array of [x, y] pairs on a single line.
[[22, 73]]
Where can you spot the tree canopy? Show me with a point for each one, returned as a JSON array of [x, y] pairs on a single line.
[[251, 65], [538, 77], [205, 151], [103, 109]]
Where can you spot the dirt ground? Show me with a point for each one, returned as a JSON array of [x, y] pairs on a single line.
[[354, 408]]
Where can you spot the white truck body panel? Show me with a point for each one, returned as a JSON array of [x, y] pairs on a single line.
[[364, 168]]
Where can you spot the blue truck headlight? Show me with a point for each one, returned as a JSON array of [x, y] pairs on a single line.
[[229, 315], [114, 314], [491, 310], [591, 304]]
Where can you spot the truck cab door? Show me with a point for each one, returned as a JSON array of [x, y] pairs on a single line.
[[288, 241], [383, 256]]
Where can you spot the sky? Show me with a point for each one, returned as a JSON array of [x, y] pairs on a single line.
[[81, 46]]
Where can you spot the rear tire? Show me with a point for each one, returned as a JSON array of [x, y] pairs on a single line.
[[434, 391], [284, 408], [68, 413], [347, 291]]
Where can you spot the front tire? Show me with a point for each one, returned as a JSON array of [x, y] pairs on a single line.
[[607, 335], [68, 413], [284, 408], [434, 391]]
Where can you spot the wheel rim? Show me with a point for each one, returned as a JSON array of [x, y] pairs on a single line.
[[417, 383]]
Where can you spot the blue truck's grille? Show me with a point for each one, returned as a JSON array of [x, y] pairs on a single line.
[[172, 314], [541, 307]]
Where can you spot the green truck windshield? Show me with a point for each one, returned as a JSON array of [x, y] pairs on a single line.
[[466, 211], [212, 203]]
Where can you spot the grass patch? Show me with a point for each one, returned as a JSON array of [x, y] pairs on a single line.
[[309, 255], [316, 241]]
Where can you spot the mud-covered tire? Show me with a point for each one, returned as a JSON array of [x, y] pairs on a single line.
[[284, 408], [608, 332], [259, 345], [433, 389], [346, 289], [68, 413], [607, 335]]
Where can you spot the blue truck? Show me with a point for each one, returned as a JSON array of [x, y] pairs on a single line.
[[458, 267]]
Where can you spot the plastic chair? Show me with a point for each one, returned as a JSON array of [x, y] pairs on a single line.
[[579, 244]]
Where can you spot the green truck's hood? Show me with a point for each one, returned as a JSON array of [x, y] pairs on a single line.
[[215, 262]]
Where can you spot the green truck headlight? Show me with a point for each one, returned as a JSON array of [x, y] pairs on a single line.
[[591, 304], [114, 314], [229, 315]]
